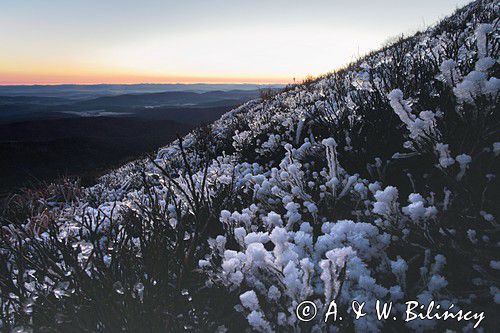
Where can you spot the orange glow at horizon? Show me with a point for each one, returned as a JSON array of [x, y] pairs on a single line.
[[55, 79], [146, 80]]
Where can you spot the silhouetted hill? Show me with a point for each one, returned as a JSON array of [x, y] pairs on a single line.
[[43, 150], [19, 100], [25, 108], [167, 98], [87, 91]]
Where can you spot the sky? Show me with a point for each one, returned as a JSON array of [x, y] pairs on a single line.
[[223, 41]]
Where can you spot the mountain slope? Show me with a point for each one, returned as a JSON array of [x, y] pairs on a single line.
[[374, 182]]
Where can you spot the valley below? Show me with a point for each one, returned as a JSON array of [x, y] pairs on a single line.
[[47, 133]]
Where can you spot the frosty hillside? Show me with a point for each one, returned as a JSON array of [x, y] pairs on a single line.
[[375, 182]]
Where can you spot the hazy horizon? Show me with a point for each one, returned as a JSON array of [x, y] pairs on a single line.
[[124, 42], [141, 83]]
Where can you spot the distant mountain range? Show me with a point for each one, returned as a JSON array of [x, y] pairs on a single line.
[[75, 91], [14, 108]]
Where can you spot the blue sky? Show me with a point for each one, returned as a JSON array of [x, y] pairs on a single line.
[[53, 41]]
